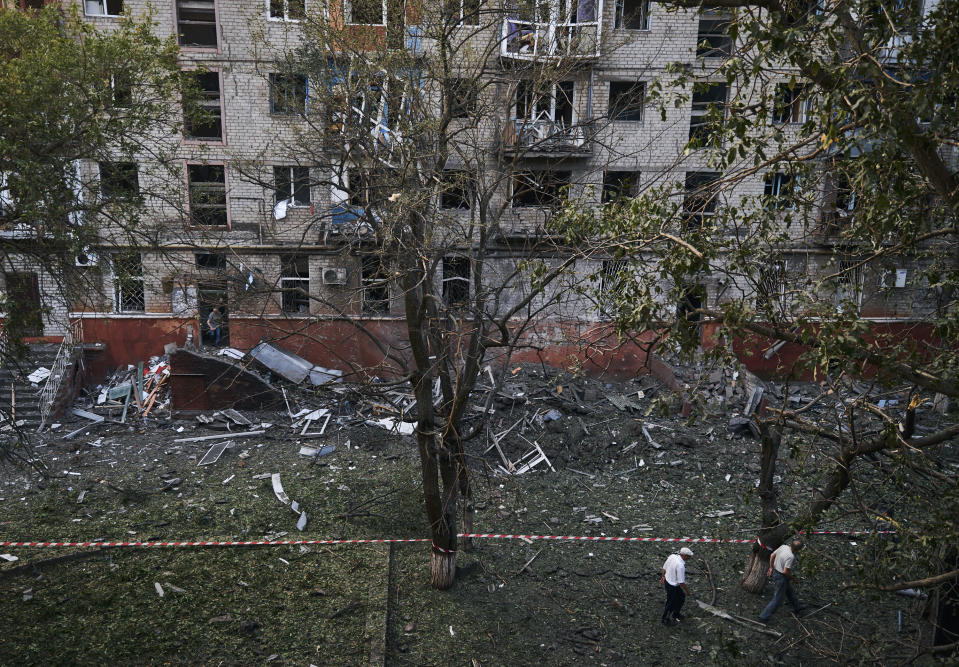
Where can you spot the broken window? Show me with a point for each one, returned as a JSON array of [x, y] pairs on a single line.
[[28, 4], [713, 39], [543, 188], [365, 12], [839, 202], [554, 103], [121, 83], [778, 191], [709, 104], [688, 319], [128, 283], [632, 14], [295, 284], [456, 189], [196, 23], [288, 10], [626, 100], [119, 180], [612, 277], [288, 93], [699, 203], [771, 287], [790, 104], [356, 105], [208, 205], [103, 7], [456, 281], [210, 261], [849, 283], [376, 286], [292, 184], [463, 11], [618, 185], [462, 98], [202, 114]]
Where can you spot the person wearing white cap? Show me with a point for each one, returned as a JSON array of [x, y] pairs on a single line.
[[674, 579]]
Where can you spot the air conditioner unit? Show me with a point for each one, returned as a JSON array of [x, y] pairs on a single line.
[[86, 259], [334, 276]]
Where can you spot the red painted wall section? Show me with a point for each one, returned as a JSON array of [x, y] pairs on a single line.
[[129, 340]]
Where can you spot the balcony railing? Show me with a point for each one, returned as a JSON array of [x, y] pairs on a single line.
[[546, 136], [554, 31]]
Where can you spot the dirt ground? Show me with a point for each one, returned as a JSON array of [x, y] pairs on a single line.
[[515, 602]]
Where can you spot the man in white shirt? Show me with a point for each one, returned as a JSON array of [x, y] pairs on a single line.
[[674, 579], [781, 564]]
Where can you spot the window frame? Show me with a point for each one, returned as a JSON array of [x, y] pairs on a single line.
[[774, 199], [299, 107], [197, 47], [220, 115], [793, 110], [537, 199], [696, 192], [619, 11], [104, 5], [292, 181], [459, 187], [714, 16], [294, 289], [609, 195], [191, 205], [850, 281], [452, 285], [699, 111], [374, 279], [286, 11], [112, 193], [615, 112], [127, 279], [462, 98], [460, 13]]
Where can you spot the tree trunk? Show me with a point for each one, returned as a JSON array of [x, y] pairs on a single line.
[[442, 569], [773, 530]]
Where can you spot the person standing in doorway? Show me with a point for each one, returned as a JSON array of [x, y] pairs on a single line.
[[214, 323], [781, 565], [674, 580]]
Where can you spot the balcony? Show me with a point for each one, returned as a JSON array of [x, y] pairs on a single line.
[[546, 137], [555, 29]]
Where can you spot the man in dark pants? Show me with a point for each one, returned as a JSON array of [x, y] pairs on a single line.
[[674, 579], [781, 565]]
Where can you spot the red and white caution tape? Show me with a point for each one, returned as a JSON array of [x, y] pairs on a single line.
[[492, 536]]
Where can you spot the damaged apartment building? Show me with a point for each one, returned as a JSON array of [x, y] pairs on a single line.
[[280, 176]]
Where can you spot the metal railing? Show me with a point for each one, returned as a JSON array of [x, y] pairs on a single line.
[[65, 357]]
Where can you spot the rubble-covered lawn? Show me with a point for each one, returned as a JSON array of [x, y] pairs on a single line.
[[622, 467]]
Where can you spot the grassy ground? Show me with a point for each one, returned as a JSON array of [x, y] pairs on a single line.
[[514, 603]]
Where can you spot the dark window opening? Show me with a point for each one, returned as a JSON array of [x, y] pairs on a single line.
[[24, 309], [208, 206], [456, 281], [288, 94], [778, 191], [709, 103], [688, 321], [790, 104], [196, 23], [618, 185], [456, 190], [288, 10], [464, 11], [293, 184], [119, 180], [699, 203], [552, 103], [202, 114], [121, 83], [626, 100], [212, 261], [376, 286], [713, 39], [128, 282], [366, 12], [295, 284], [545, 189], [632, 14], [462, 98], [100, 7]]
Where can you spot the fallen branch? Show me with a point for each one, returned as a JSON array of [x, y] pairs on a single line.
[[919, 583], [752, 625]]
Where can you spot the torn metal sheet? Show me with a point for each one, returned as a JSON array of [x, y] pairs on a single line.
[[320, 375], [235, 417], [39, 375], [278, 489], [395, 425], [316, 452], [213, 454], [282, 362], [301, 522]]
